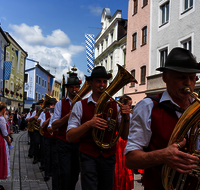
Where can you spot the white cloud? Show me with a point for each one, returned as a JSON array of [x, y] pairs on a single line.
[[54, 52], [95, 10]]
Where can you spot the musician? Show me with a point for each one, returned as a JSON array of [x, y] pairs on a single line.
[[151, 128], [45, 117], [30, 133], [97, 165], [68, 154], [37, 138], [55, 175]]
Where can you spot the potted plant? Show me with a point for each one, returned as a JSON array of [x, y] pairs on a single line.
[[20, 95], [12, 93], [17, 94], [6, 91]]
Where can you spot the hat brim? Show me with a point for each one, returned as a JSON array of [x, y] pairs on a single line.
[[179, 69], [67, 85], [88, 78]]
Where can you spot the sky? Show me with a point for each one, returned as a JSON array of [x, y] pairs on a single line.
[[53, 32]]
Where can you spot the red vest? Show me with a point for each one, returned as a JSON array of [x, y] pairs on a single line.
[[46, 133], [87, 144], [163, 122], [30, 113], [61, 134]]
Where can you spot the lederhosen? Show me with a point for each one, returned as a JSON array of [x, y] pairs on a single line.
[[97, 165], [163, 121], [68, 154]]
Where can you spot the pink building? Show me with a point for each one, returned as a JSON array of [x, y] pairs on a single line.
[[137, 51]]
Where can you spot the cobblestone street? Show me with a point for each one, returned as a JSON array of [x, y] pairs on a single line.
[[27, 176]]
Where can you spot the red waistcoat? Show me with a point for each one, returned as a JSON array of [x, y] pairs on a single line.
[[61, 134], [46, 133], [30, 113], [87, 144], [163, 121]]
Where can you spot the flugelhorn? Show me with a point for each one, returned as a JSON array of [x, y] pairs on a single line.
[[188, 124], [122, 78]]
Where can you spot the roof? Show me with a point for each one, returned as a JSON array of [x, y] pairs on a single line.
[[4, 35]]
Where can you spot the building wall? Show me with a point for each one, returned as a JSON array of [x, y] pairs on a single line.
[[56, 90], [180, 26], [110, 46], [139, 57]]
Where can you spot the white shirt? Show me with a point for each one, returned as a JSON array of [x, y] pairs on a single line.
[[3, 127], [76, 114], [58, 109], [42, 117], [28, 115], [33, 114], [140, 123]]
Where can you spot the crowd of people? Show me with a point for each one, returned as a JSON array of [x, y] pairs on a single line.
[[66, 148]]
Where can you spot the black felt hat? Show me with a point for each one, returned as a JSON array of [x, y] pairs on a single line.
[[73, 80], [47, 104], [99, 72], [33, 106], [181, 60], [52, 101]]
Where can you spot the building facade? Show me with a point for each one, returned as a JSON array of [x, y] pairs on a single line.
[[15, 84], [173, 24], [4, 42], [35, 84], [56, 90], [110, 45], [138, 42]]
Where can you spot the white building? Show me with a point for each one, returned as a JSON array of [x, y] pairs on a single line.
[[173, 24], [110, 46]]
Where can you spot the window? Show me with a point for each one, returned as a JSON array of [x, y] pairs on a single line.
[[144, 35], [7, 56], [21, 67], [134, 41], [111, 62], [6, 84], [2, 60], [135, 6], [45, 84], [25, 78], [39, 96], [106, 64], [111, 37], [163, 56], [39, 80], [1, 86], [145, 2], [36, 79], [42, 82], [13, 62], [42, 96], [36, 97], [187, 4], [133, 74], [25, 95], [143, 74], [101, 46], [164, 13], [106, 42], [187, 44]]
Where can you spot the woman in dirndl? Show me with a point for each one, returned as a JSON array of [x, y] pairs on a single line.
[[5, 141]]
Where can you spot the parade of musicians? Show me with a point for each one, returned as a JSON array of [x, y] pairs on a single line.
[[126, 118]]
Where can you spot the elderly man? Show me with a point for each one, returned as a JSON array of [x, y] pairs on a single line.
[[151, 128]]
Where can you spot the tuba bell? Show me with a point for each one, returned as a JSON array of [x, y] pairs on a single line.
[[188, 124], [122, 78]]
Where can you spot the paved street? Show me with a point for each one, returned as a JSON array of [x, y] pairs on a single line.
[[25, 175]]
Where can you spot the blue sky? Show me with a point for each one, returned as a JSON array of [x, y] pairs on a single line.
[[52, 32]]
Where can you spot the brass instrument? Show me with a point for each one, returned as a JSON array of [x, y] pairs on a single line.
[[187, 124], [122, 78], [86, 88], [34, 123]]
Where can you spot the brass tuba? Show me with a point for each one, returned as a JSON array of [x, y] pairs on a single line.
[[122, 78], [187, 124], [86, 88]]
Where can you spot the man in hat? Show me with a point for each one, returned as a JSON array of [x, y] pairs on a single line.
[[30, 133], [68, 154], [151, 128], [97, 165]]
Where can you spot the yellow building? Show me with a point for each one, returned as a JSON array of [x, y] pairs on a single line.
[[56, 90]]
